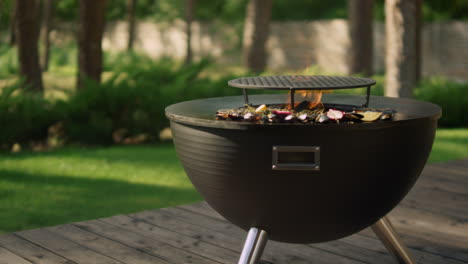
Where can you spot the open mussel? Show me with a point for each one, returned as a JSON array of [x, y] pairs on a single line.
[[386, 115], [322, 118], [351, 116]]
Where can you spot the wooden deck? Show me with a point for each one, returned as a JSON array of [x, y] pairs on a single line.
[[432, 221]]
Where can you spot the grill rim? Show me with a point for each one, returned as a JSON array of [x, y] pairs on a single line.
[[313, 82]]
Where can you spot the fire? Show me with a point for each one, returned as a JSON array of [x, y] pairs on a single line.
[[314, 98], [305, 99]]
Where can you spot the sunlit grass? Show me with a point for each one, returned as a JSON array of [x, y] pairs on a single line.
[[450, 144], [73, 184]]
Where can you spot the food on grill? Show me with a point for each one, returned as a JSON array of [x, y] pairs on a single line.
[[387, 114], [323, 118], [335, 114], [261, 108], [301, 114], [370, 116]]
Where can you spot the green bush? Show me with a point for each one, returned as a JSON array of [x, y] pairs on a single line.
[[63, 56], [451, 96], [8, 61], [94, 113], [24, 117], [132, 102]]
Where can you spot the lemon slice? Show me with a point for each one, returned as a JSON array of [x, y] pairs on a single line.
[[370, 116], [261, 108]]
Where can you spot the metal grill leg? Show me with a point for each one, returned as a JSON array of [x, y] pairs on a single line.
[[253, 247], [387, 234]]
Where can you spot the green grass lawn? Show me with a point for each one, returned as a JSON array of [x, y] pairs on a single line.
[[73, 184]]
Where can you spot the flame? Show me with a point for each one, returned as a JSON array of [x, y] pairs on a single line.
[[313, 97]]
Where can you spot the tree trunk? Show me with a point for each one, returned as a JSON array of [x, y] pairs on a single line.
[[131, 23], [400, 57], [360, 14], [1, 8], [47, 10], [13, 24], [418, 43], [256, 31], [90, 32], [189, 10], [27, 36]]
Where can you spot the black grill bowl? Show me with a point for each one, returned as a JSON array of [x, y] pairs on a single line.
[[366, 169]]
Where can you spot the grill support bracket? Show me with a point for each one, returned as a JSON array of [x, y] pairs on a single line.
[[257, 240], [253, 247], [301, 82], [385, 231]]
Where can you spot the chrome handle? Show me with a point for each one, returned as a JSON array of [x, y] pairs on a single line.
[[296, 158]]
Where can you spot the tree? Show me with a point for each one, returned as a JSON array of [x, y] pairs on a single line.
[[47, 10], [189, 10], [360, 13], [418, 40], [256, 31], [90, 32], [401, 49], [27, 36], [13, 24], [131, 4]]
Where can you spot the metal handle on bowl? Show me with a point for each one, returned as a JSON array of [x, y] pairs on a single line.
[[309, 154]]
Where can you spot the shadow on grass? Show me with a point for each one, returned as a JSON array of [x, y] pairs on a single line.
[[31, 200]]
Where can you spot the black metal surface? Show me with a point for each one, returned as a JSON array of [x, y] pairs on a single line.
[[202, 112], [301, 82], [366, 169]]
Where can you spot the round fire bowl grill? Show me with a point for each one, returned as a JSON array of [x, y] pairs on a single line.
[[303, 183]]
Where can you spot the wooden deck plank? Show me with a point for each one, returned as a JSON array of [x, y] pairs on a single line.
[[176, 239], [432, 179], [143, 243], [460, 164], [30, 251], [189, 227], [7, 257], [105, 246], [429, 252], [450, 172], [447, 203], [65, 247], [222, 233], [211, 228], [369, 241]]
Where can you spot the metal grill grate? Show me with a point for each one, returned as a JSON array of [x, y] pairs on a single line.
[[301, 82]]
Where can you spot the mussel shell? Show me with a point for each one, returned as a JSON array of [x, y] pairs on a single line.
[[249, 116], [289, 118], [272, 118], [387, 114], [303, 117], [353, 116], [322, 118]]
